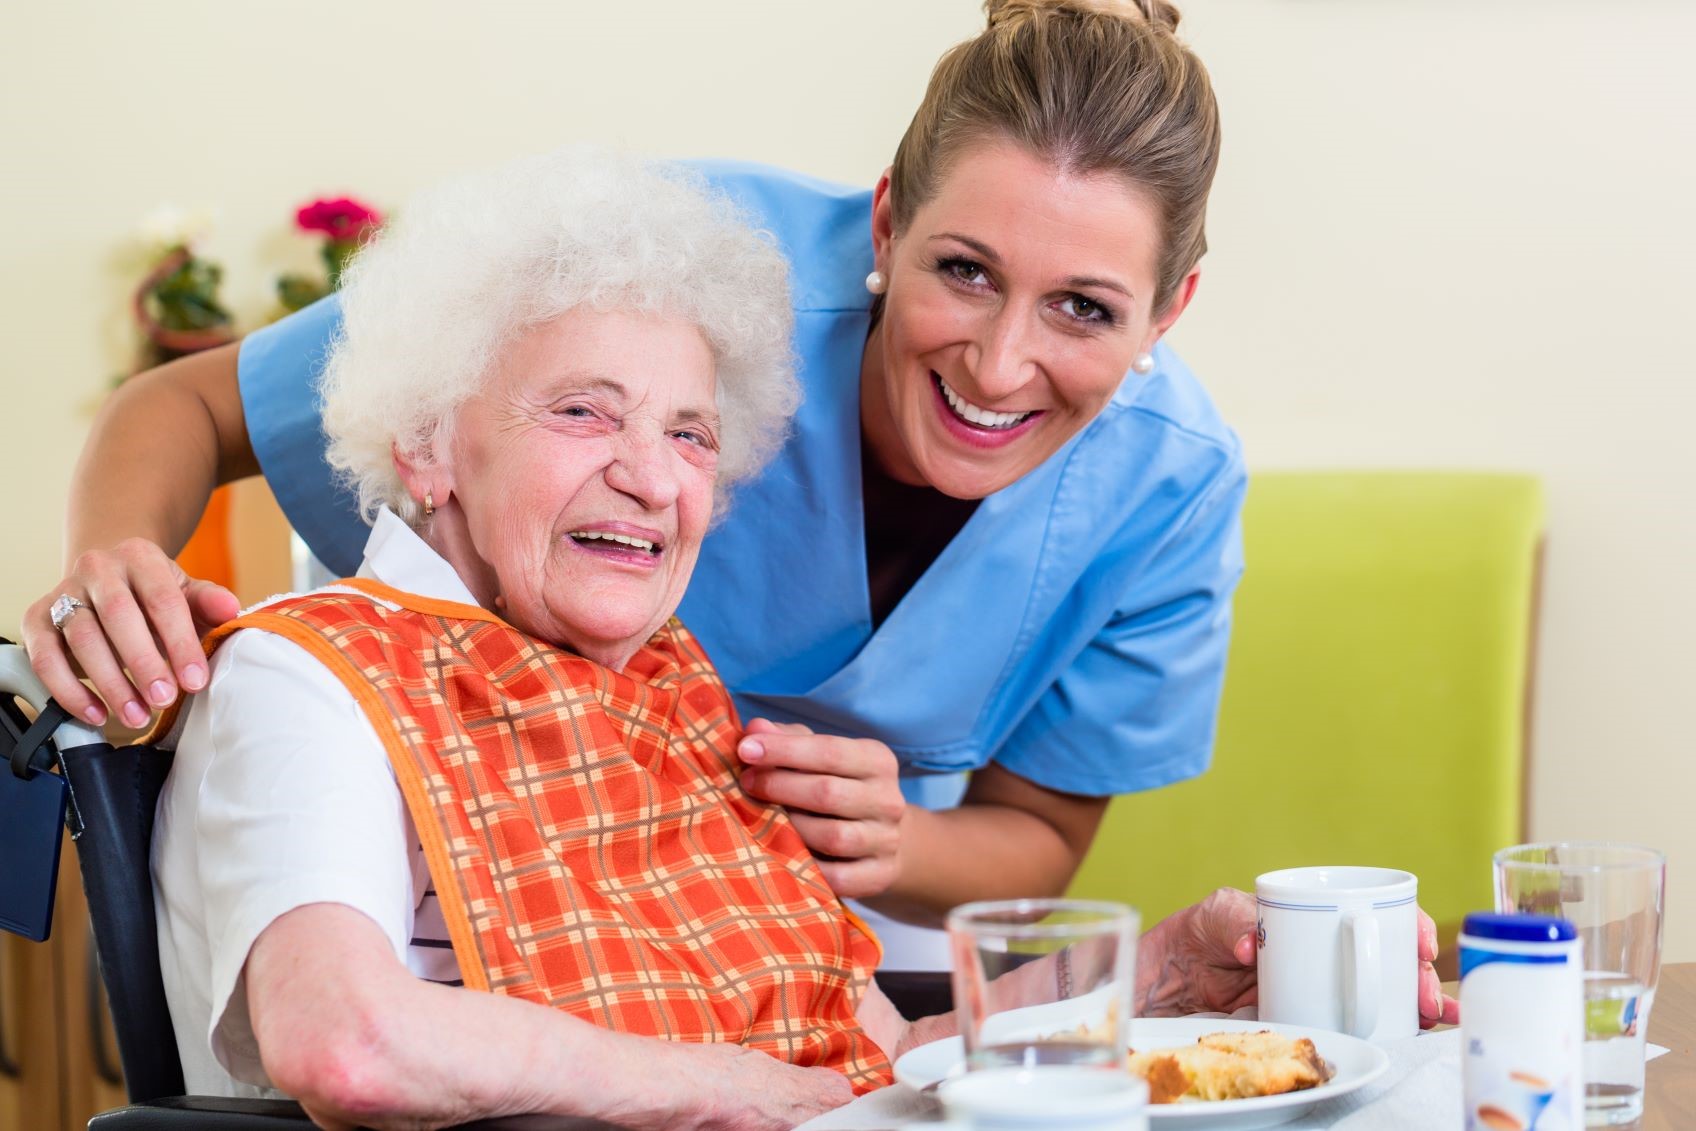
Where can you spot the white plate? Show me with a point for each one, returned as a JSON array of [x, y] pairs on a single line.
[[1355, 1062]]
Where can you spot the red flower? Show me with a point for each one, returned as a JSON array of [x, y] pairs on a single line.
[[343, 219]]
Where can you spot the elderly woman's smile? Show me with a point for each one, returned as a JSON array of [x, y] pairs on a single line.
[[580, 478], [637, 546]]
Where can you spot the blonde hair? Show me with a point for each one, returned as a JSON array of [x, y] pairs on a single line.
[[1093, 86]]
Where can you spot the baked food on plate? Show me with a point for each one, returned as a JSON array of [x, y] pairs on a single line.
[[1231, 1066]]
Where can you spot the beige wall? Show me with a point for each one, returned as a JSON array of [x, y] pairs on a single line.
[[1446, 233], [1462, 234]]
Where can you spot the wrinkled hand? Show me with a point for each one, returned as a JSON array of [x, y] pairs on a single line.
[[844, 795], [138, 601], [714, 1087], [1202, 959], [745, 1090]]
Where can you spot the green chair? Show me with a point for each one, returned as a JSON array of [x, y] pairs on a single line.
[[1375, 706]]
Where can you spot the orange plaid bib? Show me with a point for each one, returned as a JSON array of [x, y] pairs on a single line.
[[588, 838]]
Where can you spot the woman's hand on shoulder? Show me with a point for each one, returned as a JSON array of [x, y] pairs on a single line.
[[843, 794], [137, 639]]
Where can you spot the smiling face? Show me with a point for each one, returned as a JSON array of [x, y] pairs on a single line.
[[579, 483], [1018, 297]]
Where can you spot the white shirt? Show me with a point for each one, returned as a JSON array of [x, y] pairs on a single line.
[[281, 795]]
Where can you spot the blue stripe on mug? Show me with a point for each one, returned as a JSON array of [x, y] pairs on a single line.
[[1282, 906]]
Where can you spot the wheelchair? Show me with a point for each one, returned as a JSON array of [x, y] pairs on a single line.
[[110, 795], [109, 798]]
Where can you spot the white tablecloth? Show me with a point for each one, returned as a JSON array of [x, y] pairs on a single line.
[[1421, 1090]]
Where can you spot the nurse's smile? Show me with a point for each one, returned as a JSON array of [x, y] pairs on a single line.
[[979, 426]]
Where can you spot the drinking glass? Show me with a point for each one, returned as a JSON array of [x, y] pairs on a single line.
[[1614, 895], [1043, 982]]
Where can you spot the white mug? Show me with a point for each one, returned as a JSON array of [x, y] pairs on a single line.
[[1338, 949]]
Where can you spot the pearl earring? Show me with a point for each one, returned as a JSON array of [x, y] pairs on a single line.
[[1144, 363], [877, 282]]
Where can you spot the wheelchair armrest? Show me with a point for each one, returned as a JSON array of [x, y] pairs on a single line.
[[218, 1113], [203, 1113]]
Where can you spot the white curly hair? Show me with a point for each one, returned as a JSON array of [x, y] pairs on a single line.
[[472, 262]]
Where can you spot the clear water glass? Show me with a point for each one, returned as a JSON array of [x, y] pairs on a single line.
[[1044, 982], [1614, 894]]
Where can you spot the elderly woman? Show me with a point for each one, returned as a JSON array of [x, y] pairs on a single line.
[[1001, 540], [494, 759]]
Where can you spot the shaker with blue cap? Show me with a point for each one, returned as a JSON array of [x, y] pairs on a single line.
[[1522, 1023]]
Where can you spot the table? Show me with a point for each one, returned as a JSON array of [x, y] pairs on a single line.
[[1669, 1099]]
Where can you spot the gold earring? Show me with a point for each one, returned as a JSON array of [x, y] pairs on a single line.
[[429, 504]]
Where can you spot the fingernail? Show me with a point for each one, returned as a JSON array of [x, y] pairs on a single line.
[[751, 750], [95, 715], [194, 677], [161, 693], [135, 714]]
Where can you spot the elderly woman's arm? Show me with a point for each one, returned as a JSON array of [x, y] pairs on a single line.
[[346, 1030], [286, 882]]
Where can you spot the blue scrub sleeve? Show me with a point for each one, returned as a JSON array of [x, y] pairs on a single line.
[[1137, 709], [278, 372]]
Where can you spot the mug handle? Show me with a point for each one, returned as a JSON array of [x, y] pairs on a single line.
[[1360, 1001]]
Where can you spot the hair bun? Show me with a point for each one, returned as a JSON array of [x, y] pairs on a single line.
[[1157, 13]]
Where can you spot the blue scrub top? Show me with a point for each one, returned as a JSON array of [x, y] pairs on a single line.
[[1074, 631]]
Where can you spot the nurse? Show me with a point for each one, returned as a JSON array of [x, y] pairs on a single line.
[[1001, 538]]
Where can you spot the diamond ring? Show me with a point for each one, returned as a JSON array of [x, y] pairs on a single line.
[[63, 609]]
